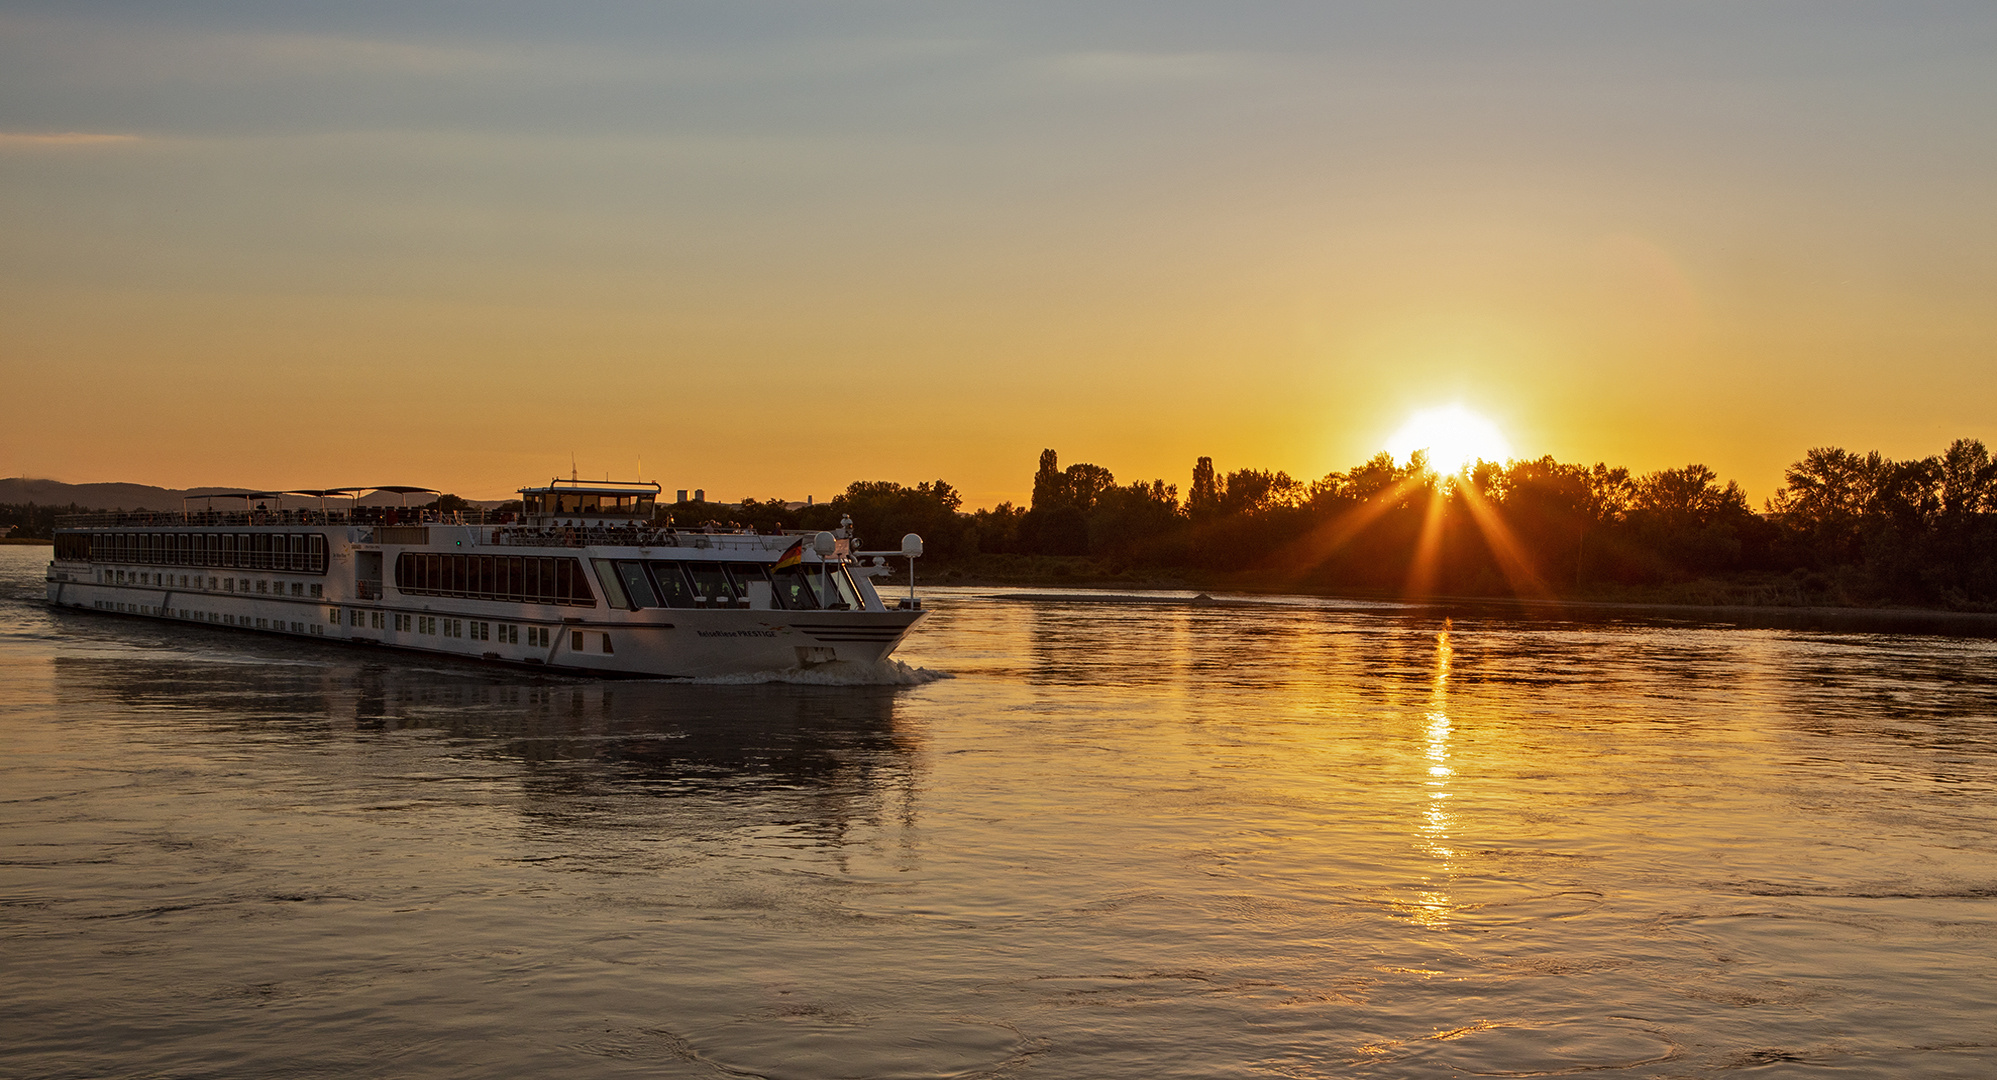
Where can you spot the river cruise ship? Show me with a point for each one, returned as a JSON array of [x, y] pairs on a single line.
[[582, 580]]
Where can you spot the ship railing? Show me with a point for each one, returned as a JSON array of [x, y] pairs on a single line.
[[636, 536], [365, 515], [365, 589]]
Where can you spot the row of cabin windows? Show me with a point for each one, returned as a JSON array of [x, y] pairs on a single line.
[[196, 615], [264, 586], [635, 583], [523, 579], [505, 633], [470, 630], [297, 552]]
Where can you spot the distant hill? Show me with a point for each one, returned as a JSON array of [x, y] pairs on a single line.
[[21, 489]]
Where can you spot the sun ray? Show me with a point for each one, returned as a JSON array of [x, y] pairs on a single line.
[[1422, 568], [1306, 554], [1512, 560]]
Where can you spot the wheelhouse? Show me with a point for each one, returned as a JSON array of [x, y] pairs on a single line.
[[590, 499]]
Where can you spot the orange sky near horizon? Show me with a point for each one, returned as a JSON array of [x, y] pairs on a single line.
[[313, 248]]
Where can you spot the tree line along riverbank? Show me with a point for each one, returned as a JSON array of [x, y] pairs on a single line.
[[1846, 529]]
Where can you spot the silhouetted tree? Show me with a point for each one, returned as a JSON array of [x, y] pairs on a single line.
[[883, 512], [996, 531], [1203, 498]]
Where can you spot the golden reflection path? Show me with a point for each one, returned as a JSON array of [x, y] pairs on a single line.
[[1435, 904]]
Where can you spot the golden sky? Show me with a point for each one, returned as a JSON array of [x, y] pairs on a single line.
[[771, 248]]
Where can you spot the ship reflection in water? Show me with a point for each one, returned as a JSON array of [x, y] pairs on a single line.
[[1125, 840]]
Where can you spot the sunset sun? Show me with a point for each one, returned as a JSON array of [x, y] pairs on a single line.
[[1453, 436]]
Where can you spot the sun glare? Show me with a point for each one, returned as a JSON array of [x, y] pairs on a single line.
[[1454, 437]]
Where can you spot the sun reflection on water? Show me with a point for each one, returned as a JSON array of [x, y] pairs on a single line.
[[1435, 904]]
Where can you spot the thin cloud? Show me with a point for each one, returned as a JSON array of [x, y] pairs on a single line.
[[1133, 68], [59, 139]]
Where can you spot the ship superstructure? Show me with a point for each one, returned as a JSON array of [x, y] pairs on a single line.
[[582, 579]]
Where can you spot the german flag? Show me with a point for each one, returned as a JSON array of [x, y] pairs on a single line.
[[792, 556]]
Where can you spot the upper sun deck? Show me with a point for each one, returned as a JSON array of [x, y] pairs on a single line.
[[361, 515], [301, 506]]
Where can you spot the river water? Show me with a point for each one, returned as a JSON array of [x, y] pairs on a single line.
[[1061, 839]]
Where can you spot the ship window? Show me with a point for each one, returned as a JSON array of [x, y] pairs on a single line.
[[828, 587], [848, 595], [745, 573], [636, 585], [613, 593], [581, 595], [746, 576], [797, 588], [673, 585], [710, 583]]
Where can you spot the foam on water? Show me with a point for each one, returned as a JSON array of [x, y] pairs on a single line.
[[839, 673]]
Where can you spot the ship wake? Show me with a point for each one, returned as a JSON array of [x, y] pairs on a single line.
[[839, 673]]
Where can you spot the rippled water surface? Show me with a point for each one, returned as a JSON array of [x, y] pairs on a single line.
[[1122, 840]]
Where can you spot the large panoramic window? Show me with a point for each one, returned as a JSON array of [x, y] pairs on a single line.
[[529, 580], [710, 583], [674, 589], [797, 589]]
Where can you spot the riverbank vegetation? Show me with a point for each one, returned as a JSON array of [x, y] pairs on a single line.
[[1846, 528]]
